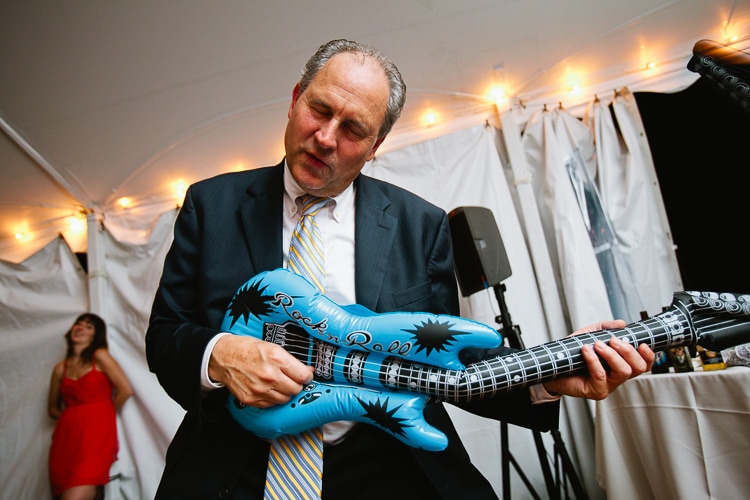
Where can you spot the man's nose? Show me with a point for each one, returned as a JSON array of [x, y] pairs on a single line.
[[326, 134]]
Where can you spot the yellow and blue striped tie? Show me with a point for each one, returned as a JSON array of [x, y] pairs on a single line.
[[306, 252], [295, 463]]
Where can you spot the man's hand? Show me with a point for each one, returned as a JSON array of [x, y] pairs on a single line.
[[258, 373], [624, 362]]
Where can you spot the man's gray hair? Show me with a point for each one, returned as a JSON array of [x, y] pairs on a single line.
[[396, 85]]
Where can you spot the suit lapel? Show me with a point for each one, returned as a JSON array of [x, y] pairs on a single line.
[[262, 219], [374, 233], [374, 230]]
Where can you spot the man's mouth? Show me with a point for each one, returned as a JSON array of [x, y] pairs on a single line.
[[315, 161]]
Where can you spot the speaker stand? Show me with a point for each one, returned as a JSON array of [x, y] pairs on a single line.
[[564, 470]]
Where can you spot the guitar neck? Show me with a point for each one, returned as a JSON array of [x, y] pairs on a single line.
[[383, 369], [684, 323]]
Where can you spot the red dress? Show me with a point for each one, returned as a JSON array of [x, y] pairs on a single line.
[[84, 443]]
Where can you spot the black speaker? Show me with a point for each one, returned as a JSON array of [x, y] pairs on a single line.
[[479, 256]]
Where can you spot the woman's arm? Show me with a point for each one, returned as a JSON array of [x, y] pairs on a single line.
[[54, 403], [107, 364]]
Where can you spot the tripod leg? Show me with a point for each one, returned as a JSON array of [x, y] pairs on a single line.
[[567, 465], [552, 484], [505, 455], [508, 459], [552, 490]]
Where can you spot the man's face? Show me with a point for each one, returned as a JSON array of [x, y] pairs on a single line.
[[333, 125]]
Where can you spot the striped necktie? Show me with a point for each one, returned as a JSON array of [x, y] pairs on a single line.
[[295, 463], [306, 251]]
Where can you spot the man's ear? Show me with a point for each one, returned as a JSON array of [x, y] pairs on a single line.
[[375, 148], [296, 92]]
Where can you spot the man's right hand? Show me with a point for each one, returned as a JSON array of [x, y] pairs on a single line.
[[258, 373]]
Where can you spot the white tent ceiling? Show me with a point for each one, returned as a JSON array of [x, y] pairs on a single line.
[[100, 100]]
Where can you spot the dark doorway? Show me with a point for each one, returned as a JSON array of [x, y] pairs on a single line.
[[700, 140]]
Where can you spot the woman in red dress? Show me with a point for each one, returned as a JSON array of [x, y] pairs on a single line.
[[84, 443]]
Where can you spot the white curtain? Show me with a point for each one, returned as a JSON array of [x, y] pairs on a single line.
[[590, 179], [149, 420], [549, 155], [545, 154], [43, 295], [630, 190], [39, 300]]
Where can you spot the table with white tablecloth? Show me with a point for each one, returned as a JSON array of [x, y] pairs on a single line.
[[676, 435]]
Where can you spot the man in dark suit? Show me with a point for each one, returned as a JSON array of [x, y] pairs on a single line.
[[386, 249]]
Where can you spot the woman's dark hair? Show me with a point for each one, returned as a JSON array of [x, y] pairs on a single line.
[[100, 336]]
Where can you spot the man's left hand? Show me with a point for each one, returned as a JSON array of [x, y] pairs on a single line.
[[623, 363]]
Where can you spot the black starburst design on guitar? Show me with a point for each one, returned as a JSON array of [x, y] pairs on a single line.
[[379, 413], [250, 299], [434, 335]]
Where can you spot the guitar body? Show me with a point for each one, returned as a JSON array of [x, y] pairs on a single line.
[[383, 369], [348, 347]]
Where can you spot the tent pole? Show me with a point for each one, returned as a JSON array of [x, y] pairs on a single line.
[[532, 226], [75, 192], [96, 265]]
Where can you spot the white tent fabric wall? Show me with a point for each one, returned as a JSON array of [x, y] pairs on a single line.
[[580, 165], [576, 423], [581, 285], [149, 420], [39, 300], [630, 189], [550, 152]]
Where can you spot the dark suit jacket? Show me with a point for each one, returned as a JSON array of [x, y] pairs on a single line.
[[229, 229]]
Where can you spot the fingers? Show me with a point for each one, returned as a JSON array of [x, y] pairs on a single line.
[[298, 372], [591, 385], [648, 356], [612, 324], [618, 356], [602, 325], [623, 362], [258, 373], [596, 386], [609, 364], [638, 360], [272, 376]]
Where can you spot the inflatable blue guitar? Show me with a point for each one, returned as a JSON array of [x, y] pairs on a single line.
[[383, 369]]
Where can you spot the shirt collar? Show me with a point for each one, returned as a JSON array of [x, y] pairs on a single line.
[[292, 191]]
